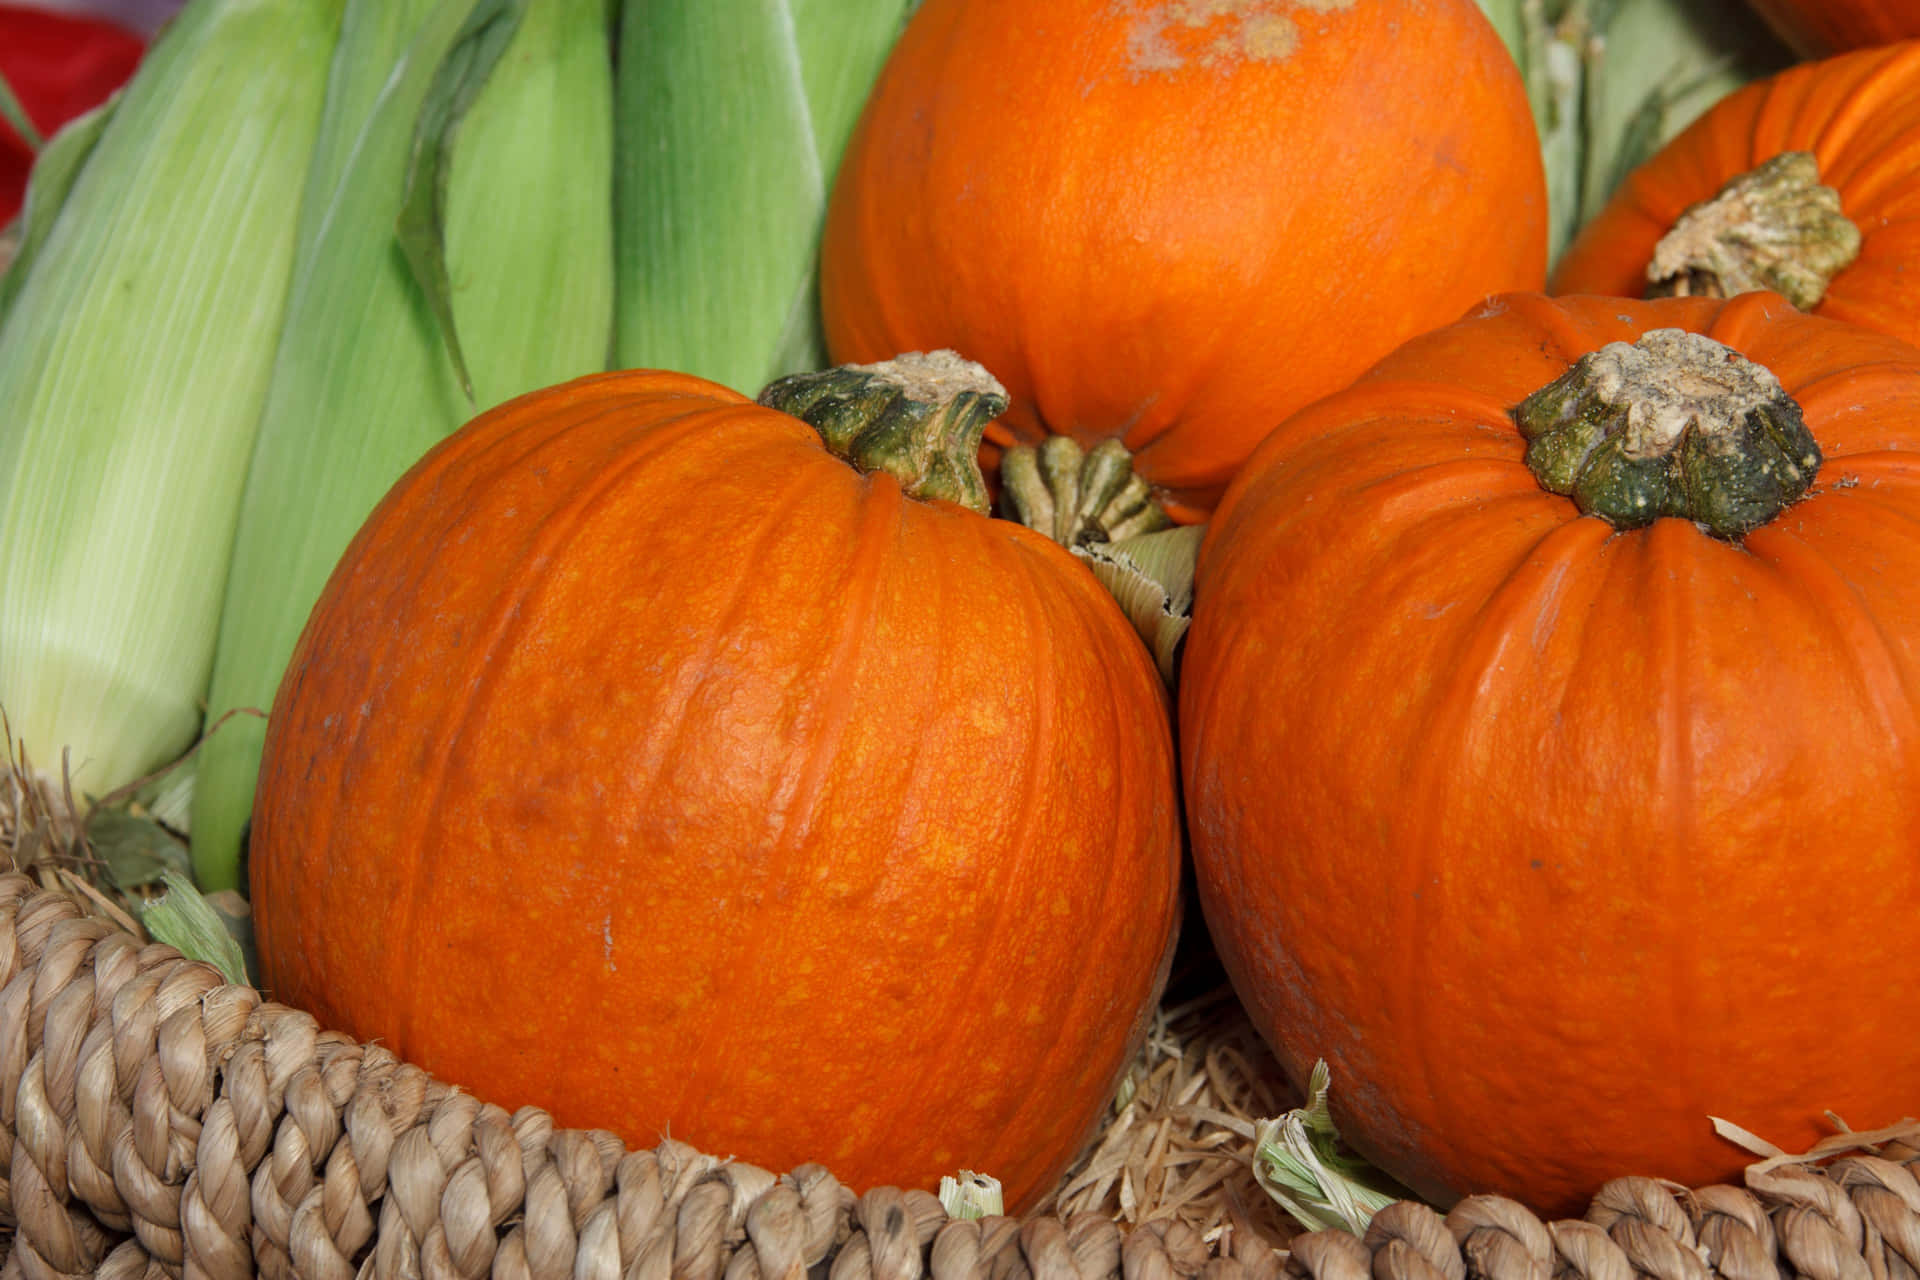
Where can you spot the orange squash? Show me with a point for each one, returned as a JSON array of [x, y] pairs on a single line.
[[1558, 837], [646, 761], [1820, 170], [1819, 28], [1172, 223]]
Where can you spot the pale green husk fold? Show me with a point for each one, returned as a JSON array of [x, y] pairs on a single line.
[[139, 333], [366, 381]]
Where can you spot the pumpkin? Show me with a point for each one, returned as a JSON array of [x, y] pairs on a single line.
[[645, 761], [1170, 223], [1806, 183], [1819, 28], [1560, 820]]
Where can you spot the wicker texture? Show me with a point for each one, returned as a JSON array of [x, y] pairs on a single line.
[[155, 1120]]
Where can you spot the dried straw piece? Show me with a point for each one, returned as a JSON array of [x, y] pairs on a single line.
[[156, 1121]]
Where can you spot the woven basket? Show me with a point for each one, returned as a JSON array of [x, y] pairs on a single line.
[[157, 1120]]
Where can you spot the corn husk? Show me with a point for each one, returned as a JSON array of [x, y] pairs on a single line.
[[732, 118], [138, 338], [502, 109], [1611, 81]]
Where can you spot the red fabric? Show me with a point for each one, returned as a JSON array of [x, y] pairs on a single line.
[[59, 65]]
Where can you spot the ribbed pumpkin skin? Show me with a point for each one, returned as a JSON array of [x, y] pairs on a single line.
[[1817, 28], [644, 762], [1554, 841], [1150, 231], [1858, 113]]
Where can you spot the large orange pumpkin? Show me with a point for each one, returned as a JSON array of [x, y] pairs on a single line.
[[1558, 839], [1806, 183], [1817, 28], [647, 762], [1173, 223]]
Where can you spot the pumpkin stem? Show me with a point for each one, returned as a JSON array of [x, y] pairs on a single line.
[[1076, 496], [1675, 424], [1774, 227], [918, 417]]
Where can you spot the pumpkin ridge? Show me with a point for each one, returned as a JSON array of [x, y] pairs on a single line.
[[1360, 408], [1740, 323], [1572, 334], [1834, 390], [1866, 169], [796, 795], [1412, 494], [1867, 97], [1540, 572], [1878, 187], [1670, 624], [1778, 104], [1896, 466], [919, 781], [1045, 728], [1826, 594], [451, 459], [506, 616]]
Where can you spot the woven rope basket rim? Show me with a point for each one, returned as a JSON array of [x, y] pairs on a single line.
[[156, 1120]]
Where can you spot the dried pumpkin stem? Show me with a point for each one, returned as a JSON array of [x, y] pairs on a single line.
[[1774, 227], [918, 417], [1078, 496], [1675, 424]]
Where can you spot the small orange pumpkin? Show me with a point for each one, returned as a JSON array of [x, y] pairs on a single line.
[[1560, 834], [645, 761], [1806, 183], [1172, 223]]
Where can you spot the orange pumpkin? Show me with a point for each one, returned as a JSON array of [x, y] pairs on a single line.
[[1173, 223], [645, 761], [1818, 28], [1555, 838], [1824, 207]]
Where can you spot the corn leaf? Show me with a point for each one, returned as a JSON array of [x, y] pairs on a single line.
[[533, 275], [364, 384], [1663, 64], [422, 223], [186, 921], [16, 115], [732, 115], [1611, 81], [1151, 575], [971, 1195], [55, 170], [1299, 1162], [136, 849], [134, 360]]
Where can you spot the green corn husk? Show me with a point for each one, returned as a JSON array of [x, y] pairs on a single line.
[[1299, 1161], [56, 167], [1611, 81], [515, 245], [138, 339], [732, 115]]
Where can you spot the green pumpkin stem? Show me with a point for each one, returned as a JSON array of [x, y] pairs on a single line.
[[1774, 227], [1675, 424], [918, 417], [1078, 496]]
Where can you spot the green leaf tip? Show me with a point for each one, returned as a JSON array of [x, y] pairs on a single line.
[[1298, 1160], [421, 227]]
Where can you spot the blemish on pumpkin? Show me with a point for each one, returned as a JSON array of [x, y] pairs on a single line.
[[1269, 37], [1235, 31]]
